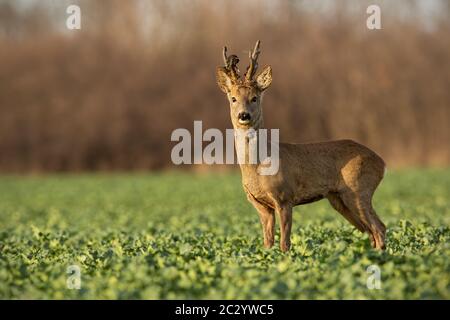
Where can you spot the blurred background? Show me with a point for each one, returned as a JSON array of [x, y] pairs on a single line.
[[108, 96]]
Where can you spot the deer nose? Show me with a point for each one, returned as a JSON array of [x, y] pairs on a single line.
[[244, 116]]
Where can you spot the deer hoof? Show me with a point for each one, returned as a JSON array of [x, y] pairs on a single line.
[[285, 247], [268, 244]]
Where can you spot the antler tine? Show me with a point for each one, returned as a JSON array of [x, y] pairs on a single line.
[[225, 58], [231, 65], [253, 55], [256, 50]]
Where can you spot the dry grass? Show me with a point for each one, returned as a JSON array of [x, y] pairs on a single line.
[[107, 97]]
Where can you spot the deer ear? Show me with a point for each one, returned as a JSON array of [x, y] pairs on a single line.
[[223, 80], [264, 79]]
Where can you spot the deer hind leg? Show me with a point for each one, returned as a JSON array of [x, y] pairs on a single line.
[[337, 203], [362, 207], [379, 227], [267, 218]]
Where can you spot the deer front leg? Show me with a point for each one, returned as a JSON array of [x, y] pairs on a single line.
[[267, 218], [285, 216]]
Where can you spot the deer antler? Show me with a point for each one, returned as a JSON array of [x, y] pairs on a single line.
[[225, 57], [231, 65], [253, 55]]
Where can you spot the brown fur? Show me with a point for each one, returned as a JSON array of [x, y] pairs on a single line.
[[343, 171]]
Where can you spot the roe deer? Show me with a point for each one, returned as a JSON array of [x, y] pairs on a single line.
[[343, 171]]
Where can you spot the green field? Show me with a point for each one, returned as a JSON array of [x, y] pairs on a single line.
[[180, 235]]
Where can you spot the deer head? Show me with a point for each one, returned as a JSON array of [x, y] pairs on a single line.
[[244, 93]]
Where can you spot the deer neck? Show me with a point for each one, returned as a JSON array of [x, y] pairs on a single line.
[[249, 170]]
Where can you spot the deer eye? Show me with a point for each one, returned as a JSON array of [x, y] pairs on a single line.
[[254, 99], [233, 99]]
